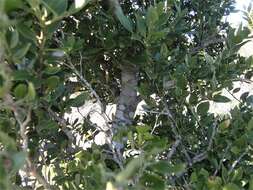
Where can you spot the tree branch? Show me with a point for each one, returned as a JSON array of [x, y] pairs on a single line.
[[177, 135], [237, 161], [85, 83], [8, 100], [173, 149], [207, 42], [63, 124]]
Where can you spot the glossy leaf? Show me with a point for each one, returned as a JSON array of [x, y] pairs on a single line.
[[20, 91], [221, 99]]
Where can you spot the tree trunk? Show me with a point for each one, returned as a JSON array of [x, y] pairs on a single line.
[[127, 102]]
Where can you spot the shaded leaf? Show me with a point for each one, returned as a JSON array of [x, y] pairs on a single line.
[[133, 166], [20, 91], [31, 92], [203, 107], [14, 39], [21, 52], [231, 186], [244, 96], [78, 101], [221, 99], [152, 181], [52, 82], [236, 90], [11, 5], [124, 20]]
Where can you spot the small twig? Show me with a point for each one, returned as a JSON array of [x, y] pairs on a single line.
[[84, 82], [244, 80], [23, 130], [155, 112], [236, 162], [210, 144], [80, 63], [23, 134], [221, 160], [233, 96], [116, 156], [200, 157], [187, 187], [177, 135], [156, 125], [37, 175], [63, 123]]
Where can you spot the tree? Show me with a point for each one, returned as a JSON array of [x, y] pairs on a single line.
[[176, 56]]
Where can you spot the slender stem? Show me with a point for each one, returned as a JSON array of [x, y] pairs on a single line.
[[236, 162], [8, 100]]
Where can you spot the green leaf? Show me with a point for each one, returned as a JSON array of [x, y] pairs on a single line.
[[214, 183], [209, 59], [14, 39], [52, 82], [181, 81], [11, 5], [132, 167], [20, 91], [224, 124], [177, 169], [21, 52], [224, 173], [124, 20], [7, 141], [31, 92], [21, 75], [203, 108], [52, 70], [231, 186], [151, 17], [57, 7], [155, 145], [143, 129], [236, 90], [164, 167], [47, 125], [152, 181], [78, 101], [244, 96], [221, 99], [164, 50], [250, 124], [251, 183], [237, 174], [141, 25], [27, 31], [193, 99]]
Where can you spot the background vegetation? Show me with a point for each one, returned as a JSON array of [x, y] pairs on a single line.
[[175, 55]]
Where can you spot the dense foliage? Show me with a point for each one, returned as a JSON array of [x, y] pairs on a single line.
[[175, 55]]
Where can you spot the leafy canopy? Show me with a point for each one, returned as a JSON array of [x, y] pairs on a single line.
[[56, 55]]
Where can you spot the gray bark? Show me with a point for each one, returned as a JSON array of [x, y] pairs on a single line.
[[127, 101]]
